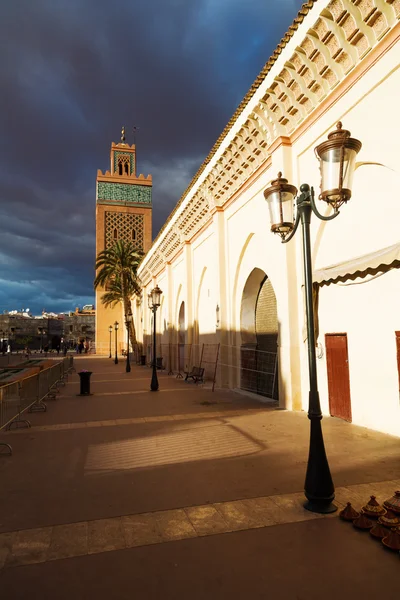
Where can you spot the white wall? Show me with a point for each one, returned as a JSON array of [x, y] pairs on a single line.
[[368, 311]]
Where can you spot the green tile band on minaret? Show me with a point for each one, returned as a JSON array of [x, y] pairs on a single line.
[[124, 192]]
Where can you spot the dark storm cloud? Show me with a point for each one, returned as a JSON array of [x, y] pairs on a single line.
[[72, 72]]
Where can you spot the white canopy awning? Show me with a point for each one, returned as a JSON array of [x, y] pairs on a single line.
[[369, 264]]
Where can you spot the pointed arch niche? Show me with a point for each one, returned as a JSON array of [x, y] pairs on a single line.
[[181, 323], [259, 336]]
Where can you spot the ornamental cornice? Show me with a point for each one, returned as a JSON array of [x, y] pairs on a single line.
[[314, 56], [124, 178]]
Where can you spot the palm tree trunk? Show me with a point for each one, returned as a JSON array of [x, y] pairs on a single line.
[[127, 304]]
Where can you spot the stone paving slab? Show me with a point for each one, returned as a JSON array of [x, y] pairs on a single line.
[[174, 525], [207, 520], [29, 546], [140, 530], [105, 535], [33, 546], [68, 540]]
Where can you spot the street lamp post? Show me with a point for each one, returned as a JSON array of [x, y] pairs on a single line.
[[154, 302], [110, 330], [40, 330], [116, 324], [128, 320], [337, 158]]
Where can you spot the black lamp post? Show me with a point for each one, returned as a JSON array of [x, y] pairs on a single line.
[[128, 320], [110, 330], [116, 342], [337, 158], [154, 299]]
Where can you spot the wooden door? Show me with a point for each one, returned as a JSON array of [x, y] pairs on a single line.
[[398, 353], [337, 363]]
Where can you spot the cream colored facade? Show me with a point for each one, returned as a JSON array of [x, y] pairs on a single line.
[[339, 61]]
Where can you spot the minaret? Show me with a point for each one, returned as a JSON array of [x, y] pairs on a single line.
[[123, 212]]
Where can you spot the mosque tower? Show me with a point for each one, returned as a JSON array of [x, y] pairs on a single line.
[[123, 212]]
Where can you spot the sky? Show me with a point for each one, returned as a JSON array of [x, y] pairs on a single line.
[[72, 72]]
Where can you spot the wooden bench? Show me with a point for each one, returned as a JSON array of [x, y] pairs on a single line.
[[197, 374]]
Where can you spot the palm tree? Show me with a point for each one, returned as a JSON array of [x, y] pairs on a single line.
[[118, 275]]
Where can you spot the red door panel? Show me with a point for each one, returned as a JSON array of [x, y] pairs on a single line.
[[337, 363]]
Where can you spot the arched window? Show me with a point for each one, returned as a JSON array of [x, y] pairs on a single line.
[[115, 234], [134, 234], [124, 165]]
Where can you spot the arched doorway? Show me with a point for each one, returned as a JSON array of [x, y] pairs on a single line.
[[259, 332]]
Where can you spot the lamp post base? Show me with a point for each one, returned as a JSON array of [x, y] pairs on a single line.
[[320, 507], [318, 487], [154, 382]]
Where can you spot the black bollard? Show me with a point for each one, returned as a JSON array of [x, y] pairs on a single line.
[[85, 383]]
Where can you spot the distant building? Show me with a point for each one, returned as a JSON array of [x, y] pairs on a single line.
[[20, 330], [80, 325]]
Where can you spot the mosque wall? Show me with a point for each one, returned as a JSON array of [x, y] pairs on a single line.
[[338, 63]]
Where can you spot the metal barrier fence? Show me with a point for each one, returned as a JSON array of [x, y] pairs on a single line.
[[251, 369], [258, 371], [28, 394]]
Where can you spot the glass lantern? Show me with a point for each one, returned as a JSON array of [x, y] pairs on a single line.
[[110, 329], [337, 158], [149, 301], [129, 316], [116, 325], [280, 197], [156, 296]]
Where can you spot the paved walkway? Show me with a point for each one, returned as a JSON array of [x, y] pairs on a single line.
[[184, 493]]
